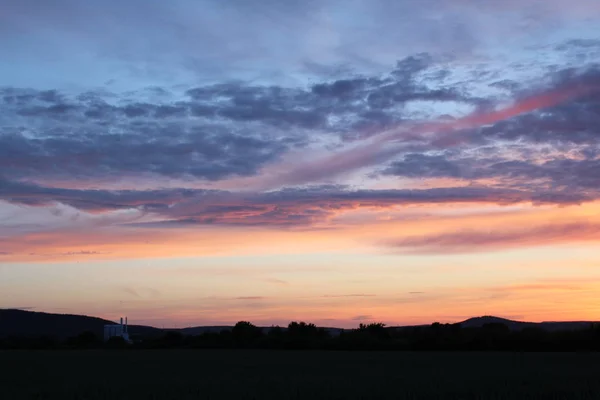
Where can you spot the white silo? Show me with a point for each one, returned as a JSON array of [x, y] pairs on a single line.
[[119, 330]]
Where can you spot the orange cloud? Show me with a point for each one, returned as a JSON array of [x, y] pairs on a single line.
[[117, 243]]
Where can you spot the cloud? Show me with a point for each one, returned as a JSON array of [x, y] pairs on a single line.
[[81, 253], [571, 100], [92, 139], [292, 207], [348, 295], [288, 207], [572, 121], [362, 318], [540, 286], [250, 298], [560, 175], [132, 292], [237, 129], [213, 132], [142, 292], [473, 241], [93, 200], [66, 253], [277, 281]]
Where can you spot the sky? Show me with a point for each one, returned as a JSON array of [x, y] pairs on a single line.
[[337, 162]]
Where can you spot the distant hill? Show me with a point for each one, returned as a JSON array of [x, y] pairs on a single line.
[[478, 322], [30, 323]]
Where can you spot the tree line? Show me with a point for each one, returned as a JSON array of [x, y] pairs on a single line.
[[307, 336]]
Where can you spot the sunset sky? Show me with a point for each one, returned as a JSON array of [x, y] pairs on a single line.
[[190, 162]]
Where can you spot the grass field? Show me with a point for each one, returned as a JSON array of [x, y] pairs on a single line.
[[226, 374]]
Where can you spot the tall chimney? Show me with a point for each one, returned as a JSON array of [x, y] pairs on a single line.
[[121, 321], [126, 325]]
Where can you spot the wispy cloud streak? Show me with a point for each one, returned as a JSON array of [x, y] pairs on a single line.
[[474, 241]]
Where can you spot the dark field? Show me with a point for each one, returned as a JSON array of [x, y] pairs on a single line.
[[238, 374]]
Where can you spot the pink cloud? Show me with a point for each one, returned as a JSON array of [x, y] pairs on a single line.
[[473, 241]]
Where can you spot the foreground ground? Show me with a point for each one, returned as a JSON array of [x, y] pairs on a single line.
[[226, 374]]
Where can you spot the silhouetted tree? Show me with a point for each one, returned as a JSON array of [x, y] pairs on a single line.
[[371, 336], [84, 340], [275, 338], [116, 342], [301, 335], [245, 334], [375, 329], [172, 339]]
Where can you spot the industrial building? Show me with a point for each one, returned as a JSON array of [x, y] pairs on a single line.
[[117, 330]]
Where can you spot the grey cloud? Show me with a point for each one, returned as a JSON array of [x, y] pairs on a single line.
[[50, 96], [165, 111], [234, 129], [283, 208], [335, 198], [575, 174], [418, 165], [575, 120], [579, 43], [563, 175], [364, 97], [568, 127], [407, 68], [487, 126], [56, 111], [167, 150], [94, 200], [214, 132]]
